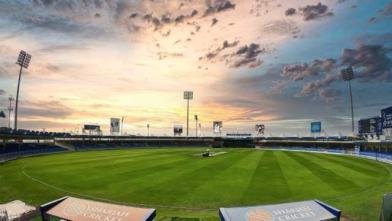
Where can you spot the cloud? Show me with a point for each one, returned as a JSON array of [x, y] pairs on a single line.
[[319, 78], [182, 18], [290, 11], [167, 19], [218, 6], [297, 72], [62, 48], [371, 62], [329, 94], [213, 54], [374, 39], [281, 27], [315, 86], [244, 56], [278, 86], [247, 55], [2, 92], [5, 68], [214, 21], [388, 9], [311, 12], [163, 55], [44, 109]]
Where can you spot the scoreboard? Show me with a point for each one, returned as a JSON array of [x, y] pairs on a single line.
[[386, 115], [370, 126]]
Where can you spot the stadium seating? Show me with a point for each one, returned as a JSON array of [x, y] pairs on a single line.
[[9, 131], [12, 150]]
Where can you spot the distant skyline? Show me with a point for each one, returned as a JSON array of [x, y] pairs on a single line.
[[272, 62]]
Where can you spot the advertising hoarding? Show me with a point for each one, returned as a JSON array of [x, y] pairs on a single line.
[[370, 126], [386, 115], [177, 130], [300, 211], [217, 127], [315, 127], [73, 208], [259, 128], [386, 209], [114, 125], [91, 127]]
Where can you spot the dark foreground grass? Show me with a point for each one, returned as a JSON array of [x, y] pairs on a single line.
[[181, 184]]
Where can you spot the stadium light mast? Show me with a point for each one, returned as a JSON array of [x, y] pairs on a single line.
[[10, 99], [196, 119], [348, 75], [23, 61], [148, 130], [122, 125], [188, 95]]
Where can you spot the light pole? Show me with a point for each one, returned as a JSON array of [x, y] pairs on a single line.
[[188, 95], [148, 130], [122, 125], [348, 75], [196, 119], [23, 61], [10, 99]]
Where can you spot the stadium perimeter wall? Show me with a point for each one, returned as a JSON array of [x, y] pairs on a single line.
[[23, 145]]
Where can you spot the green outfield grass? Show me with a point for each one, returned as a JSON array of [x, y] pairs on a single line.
[[179, 183]]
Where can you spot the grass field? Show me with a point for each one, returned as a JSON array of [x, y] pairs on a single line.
[[179, 183]]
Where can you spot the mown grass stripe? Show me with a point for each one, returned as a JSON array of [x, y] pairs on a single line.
[[352, 164], [267, 176], [79, 176], [329, 177], [108, 160], [225, 186], [187, 180], [300, 178]]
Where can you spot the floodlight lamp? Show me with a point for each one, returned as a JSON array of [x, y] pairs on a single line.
[[347, 74], [21, 57], [24, 59], [188, 95]]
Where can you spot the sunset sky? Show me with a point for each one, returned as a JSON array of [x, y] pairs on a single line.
[[275, 62]]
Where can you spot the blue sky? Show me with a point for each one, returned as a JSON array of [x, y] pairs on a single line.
[[248, 62]]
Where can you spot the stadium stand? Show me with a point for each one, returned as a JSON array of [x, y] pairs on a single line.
[[8, 131], [13, 150]]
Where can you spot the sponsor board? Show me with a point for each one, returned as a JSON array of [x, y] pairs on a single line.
[[177, 130], [315, 127], [114, 125], [259, 128], [386, 209], [386, 115], [371, 126], [217, 127], [86, 210], [297, 211]]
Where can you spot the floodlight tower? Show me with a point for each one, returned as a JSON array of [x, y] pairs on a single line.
[[23, 61], [188, 95], [122, 125], [196, 119], [348, 75], [148, 130], [10, 99]]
